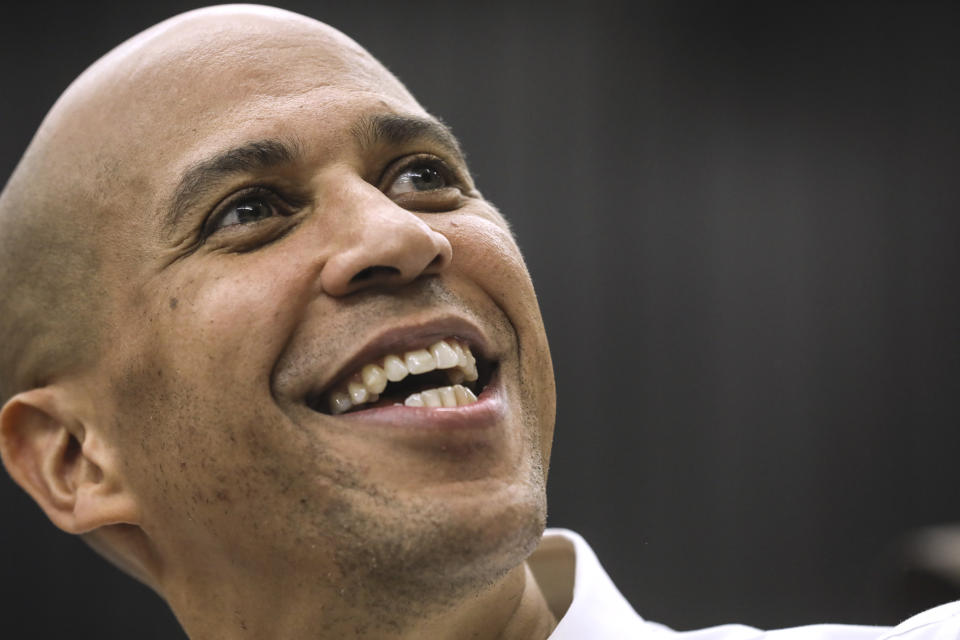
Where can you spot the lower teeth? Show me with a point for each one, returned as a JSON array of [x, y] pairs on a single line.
[[454, 396]]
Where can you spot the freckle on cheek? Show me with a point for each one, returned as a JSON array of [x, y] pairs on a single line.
[[173, 303]]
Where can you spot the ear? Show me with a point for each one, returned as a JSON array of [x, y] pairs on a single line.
[[62, 464]]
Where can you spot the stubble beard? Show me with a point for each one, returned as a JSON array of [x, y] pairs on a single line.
[[394, 557], [416, 557]]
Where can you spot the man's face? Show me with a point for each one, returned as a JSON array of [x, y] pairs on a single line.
[[282, 215]]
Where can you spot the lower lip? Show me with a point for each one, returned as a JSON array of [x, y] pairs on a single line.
[[488, 411]]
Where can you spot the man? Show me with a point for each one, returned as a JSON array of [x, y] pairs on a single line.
[[268, 349]]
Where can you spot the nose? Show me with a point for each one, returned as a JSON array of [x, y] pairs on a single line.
[[380, 244]]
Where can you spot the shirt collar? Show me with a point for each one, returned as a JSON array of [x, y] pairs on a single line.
[[579, 591]]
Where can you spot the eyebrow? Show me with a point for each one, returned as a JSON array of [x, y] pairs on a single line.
[[400, 130], [202, 177]]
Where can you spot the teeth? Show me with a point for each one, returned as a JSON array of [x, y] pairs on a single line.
[[447, 396], [470, 367], [464, 395], [394, 368], [455, 396], [431, 398], [461, 354], [339, 402], [450, 355], [358, 392], [374, 378], [466, 362], [470, 371], [444, 355], [419, 361]]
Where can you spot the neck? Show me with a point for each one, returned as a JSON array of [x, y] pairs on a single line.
[[513, 608]]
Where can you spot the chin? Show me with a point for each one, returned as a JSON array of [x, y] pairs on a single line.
[[440, 551]]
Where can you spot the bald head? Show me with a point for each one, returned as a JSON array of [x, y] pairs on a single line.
[[215, 225], [100, 150]]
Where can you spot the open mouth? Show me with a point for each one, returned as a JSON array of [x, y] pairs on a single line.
[[444, 374]]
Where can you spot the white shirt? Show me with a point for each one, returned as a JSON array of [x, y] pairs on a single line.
[[589, 606]]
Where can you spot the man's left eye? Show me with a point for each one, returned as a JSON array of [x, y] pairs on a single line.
[[422, 176]]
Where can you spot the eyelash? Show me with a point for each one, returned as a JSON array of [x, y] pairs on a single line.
[[394, 170], [287, 204]]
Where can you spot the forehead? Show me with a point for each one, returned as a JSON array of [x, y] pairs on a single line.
[[172, 96], [251, 50]]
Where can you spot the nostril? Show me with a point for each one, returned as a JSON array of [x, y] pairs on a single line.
[[372, 272], [436, 262]]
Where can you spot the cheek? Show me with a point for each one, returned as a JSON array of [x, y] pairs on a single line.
[[486, 252], [190, 381], [224, 323], [203, 449], [232, 324]]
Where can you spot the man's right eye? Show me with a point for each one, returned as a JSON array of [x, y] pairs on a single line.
[[247, 211], [248, 207]]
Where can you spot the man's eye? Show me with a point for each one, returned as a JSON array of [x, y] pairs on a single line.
[[251, 210], [422, 176], [247, 209]]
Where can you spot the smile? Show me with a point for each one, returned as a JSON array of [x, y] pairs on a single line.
[[443, 374]]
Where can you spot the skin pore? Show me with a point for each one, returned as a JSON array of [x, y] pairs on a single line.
[[247, 207]]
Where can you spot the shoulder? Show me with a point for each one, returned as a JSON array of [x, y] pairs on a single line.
[[588, 605], [939, 623]]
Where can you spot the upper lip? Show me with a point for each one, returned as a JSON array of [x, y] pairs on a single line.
[[407, 337]]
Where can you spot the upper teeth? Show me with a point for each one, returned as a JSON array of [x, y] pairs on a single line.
[[366, 385]]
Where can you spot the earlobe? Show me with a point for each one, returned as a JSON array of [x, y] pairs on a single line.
[[55, 458]]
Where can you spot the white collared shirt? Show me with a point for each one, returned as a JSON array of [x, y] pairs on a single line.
[[589, 607]]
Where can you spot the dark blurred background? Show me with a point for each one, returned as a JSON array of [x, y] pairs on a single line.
[[742, 220]]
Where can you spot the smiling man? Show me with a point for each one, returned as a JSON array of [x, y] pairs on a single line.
[[268, 349], [289, 368]]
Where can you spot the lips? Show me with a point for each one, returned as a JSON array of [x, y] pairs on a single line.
[[430, 373]]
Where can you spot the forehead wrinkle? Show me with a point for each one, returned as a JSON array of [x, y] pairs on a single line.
[[398, 130], [201, 177]]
